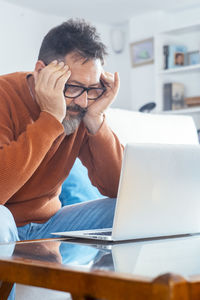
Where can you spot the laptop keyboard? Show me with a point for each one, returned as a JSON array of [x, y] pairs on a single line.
[[108, 233]]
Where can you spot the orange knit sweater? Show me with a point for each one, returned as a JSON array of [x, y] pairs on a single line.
[[36, 155]]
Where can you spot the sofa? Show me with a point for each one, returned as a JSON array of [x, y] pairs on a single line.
[[130, 126]]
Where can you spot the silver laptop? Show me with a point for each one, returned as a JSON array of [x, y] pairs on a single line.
[[159, 194]]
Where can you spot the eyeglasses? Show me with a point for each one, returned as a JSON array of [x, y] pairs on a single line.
[[74, 91]]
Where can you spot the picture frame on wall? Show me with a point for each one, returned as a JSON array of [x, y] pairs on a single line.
[[142, 52]]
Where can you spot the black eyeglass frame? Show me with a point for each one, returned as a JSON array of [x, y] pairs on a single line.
[[103, 88]]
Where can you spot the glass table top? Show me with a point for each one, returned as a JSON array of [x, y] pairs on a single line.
[[149, 258]]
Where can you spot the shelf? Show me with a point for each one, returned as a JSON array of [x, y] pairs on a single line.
[[180, 70], [192, 110], [188, 75]]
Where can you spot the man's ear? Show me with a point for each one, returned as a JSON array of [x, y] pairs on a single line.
[[39, 66]]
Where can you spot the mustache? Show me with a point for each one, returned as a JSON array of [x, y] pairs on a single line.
[[77, 108]]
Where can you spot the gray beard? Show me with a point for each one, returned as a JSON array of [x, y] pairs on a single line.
[[70, 124]]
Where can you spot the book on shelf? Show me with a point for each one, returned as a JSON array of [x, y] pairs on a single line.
[[173, 96], [174, 56], [192, 101], [166, 53], [192, 58]]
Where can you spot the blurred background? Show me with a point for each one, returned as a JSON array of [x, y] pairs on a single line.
[[126, 27]]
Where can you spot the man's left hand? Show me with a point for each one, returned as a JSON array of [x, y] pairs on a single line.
[[94, 116]]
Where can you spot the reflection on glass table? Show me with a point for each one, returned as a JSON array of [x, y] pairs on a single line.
[[144, 258]]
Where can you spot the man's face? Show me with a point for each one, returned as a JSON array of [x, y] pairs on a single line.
[[85, 74]]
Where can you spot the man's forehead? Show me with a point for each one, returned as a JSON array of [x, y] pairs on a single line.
[[85, 72], [74, 58]]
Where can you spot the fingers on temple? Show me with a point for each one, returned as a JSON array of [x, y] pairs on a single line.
[[60, 83], [116, 80], [58, 74], [52, 73]]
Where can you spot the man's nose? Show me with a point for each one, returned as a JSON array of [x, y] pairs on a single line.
[[82, 100]]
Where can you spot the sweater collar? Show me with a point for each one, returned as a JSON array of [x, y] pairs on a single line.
[[27, 98]]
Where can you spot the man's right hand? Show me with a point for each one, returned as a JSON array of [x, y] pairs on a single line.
[[49, 86]]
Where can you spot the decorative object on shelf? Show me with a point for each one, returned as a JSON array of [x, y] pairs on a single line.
[[165, 53], [142, 52], [192, 101], [148, 107], [173, 96], [198, 132], [192, 58], [174, 56], [117, 37]]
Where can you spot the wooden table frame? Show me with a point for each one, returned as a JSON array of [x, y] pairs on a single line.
[[96, 284]]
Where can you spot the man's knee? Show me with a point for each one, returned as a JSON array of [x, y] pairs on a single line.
[[8, 232]]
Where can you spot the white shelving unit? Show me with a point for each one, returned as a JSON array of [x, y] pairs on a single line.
[[188, 75], [191, 68]]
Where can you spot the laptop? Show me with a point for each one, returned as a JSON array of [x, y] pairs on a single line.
[[158, 195]]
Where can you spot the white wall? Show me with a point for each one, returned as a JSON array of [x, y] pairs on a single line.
[[145, 26], [121, 63], [21, 33]]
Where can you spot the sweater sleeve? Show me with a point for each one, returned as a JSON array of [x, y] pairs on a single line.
[[19, 158], [102, 154]]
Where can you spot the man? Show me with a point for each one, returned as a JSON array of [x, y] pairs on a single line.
[[48, 118]]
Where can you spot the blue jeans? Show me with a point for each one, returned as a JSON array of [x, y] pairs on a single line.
[[87, 215]]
